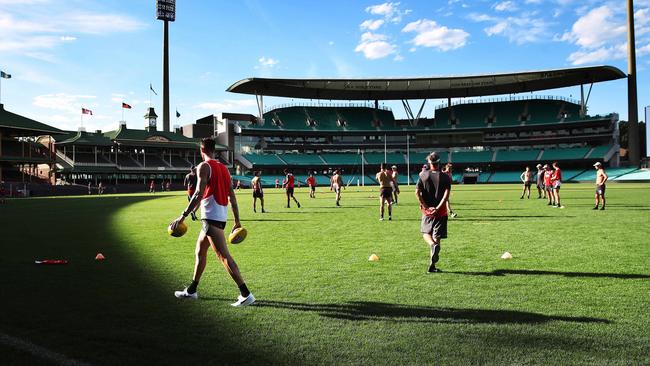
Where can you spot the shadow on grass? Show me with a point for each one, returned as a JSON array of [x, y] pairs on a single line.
[[533, 272], [366, 310], [120, 311]]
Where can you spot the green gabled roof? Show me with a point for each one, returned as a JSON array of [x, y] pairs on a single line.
[[127, 136], [17, 122], [83, 138]]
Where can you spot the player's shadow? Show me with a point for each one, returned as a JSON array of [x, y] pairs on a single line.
[[533, 272], [368, 310], [283, 220]]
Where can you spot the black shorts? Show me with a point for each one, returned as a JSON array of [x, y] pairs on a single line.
[[600, 189], [290, 191], [436, 227], [312, 188], [527, 184], [258, 194], [207, 223], [386, 193]]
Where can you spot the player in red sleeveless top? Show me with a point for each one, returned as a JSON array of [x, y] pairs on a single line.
[[213, 191], [289, 184]]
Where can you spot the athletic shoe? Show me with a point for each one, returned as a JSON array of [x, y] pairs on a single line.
[[521, 198], [186, 295], [453, 215], [602, 208], [549, 204], [263, 211], [433, 269], [595, 208], [254, 210], [298, 204], [381, 219], [288, 206], [390, 218], [244, 301]]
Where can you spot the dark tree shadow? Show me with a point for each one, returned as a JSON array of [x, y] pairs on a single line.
[[533, 272], [366, 310]]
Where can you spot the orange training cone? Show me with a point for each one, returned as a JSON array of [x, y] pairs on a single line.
[[373, 258], [99, 257]]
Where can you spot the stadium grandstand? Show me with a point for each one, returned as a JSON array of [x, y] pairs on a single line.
[[488, 139], [41, 159], [22, 160]]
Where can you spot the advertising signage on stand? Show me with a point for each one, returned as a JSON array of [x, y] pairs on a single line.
[[166, 10]]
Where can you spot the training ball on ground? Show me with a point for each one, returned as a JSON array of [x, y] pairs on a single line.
[[237, 236], [181, 229]]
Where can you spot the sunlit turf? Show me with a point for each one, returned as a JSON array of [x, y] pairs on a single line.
[[576, 292]]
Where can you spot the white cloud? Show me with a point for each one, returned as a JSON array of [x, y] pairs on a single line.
[[371, 25], [598, 55], [375, 46], [533, 1], [331, 43], [520, 29], [229, 105], [267, 62], [430, 34], [389, 10], [505, 6], [596, 28], [63, 102], [600, 34], [481, 17], [39, 31]]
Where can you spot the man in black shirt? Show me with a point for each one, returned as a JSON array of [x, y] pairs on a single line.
[[432, 191]]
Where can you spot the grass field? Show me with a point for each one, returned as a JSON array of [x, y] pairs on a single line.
[[576, 292]]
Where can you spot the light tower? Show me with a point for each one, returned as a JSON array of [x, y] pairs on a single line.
[[633, 152], [166, 11]]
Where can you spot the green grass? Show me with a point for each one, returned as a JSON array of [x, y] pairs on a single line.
[[576, 292]]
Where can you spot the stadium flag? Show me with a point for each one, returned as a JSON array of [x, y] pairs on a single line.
[[151, 88], [178, 115], [127, 106], [4, 75], [86, 111]]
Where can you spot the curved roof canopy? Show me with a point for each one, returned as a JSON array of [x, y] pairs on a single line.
[[426, 88]]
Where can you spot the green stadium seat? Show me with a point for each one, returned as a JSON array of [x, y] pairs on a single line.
[[600, 151], [575, 153], [506, 177], [391, 158], [471, 156], [264, 159], [302, 159], [590, 174], [517, 155], [342, 159]]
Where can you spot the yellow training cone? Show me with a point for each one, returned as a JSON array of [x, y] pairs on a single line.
[[99, 257], [373, 258], [506, 255]]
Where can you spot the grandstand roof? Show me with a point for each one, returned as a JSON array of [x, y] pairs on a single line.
[[426, 88], [144, 138], [24, 126], [82, 138]]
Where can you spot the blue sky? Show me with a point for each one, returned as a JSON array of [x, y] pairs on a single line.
[[95, 53]]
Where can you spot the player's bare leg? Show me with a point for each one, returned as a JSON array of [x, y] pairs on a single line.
[[597, 197], [434, 244], [218, 242], [295, 200], [381, 208], [262, 204]]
